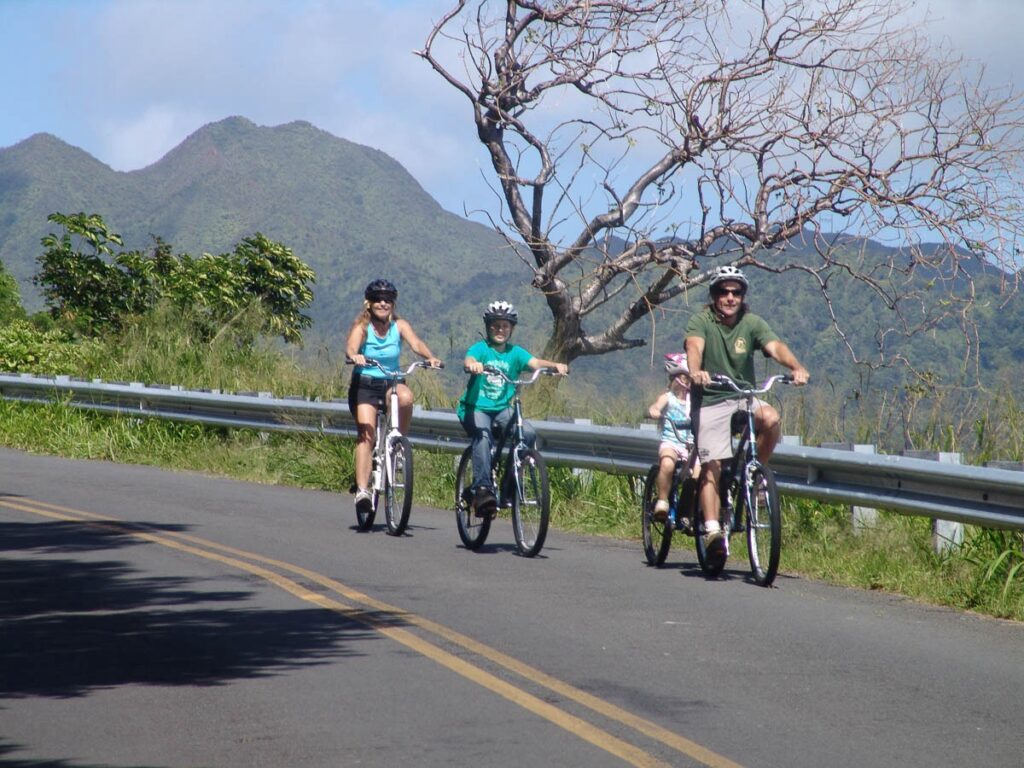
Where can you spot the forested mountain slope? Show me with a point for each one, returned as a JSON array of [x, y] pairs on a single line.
[[353, 213]]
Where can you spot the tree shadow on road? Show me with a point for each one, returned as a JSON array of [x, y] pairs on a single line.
[[75, 620]]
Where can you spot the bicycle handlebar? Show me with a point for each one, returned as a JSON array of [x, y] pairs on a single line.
[[726, 382], [371, 363], [516, 382]]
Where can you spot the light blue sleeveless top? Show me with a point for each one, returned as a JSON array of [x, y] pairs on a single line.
[[385, 351], [676, 410]]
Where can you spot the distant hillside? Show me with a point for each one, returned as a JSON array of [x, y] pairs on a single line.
[[353, 213]]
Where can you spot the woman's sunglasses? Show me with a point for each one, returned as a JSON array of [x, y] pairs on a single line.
[[730, 291]]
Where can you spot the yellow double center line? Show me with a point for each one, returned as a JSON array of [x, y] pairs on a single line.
[[260, 566]]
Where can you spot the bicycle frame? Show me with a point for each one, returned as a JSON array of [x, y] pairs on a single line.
[[745, 451], [388, 429], [513, 437]]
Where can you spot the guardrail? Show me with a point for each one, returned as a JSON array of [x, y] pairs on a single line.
[[986, 496]]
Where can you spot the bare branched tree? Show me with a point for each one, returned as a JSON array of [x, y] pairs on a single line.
[[639, 143]]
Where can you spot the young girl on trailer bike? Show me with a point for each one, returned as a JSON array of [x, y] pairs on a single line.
[[377, 333], [485, 405], [672, 409]]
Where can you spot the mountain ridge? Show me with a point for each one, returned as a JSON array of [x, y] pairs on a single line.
[[353, 213]]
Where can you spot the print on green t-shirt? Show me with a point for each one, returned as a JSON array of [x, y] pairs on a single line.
[[729, 350], [490, 393]]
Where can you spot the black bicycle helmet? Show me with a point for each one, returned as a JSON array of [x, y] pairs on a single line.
[[380, 289], [728, 272], [501, 310]]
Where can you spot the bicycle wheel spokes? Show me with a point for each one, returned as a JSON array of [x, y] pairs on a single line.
[[530, 502], [764, 527], [657, 535], [472, 530], [398, 488]]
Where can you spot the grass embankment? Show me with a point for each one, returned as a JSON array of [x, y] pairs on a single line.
[[985, 575]]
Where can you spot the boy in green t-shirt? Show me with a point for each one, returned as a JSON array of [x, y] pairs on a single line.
[[485, 407]]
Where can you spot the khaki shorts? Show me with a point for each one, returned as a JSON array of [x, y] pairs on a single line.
[[714, 441]]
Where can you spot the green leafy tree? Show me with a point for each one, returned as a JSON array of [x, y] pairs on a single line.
[[92, 287], [10, 298], [273, 275]]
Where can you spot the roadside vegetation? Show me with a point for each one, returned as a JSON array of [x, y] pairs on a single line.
[[186, 343], [985, 575]]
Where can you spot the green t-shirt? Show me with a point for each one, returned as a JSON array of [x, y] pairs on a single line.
[[729, 350], [490, 393]]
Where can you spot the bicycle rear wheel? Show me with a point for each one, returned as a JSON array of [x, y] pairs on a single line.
[[530, 501], [472, 530], [398, 489], [657, 534], [764, 527]]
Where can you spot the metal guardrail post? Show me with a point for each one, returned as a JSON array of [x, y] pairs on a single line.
[[946, 534], [861, 517]]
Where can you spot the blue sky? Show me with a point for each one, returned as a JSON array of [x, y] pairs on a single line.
[[127, 80]]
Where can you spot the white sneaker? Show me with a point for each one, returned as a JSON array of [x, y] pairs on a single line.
[[364, 502], [715, 543], [661, 510]]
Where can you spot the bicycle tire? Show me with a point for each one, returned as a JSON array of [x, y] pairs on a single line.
[[531, 501], [472, 530], [764, 527], [398, 487], [657, 535], [713, 566]]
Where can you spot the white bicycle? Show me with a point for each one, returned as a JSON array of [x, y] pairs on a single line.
[[392, 474]]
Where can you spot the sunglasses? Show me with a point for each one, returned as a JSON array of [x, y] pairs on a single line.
[[381, 299], [731, 292]]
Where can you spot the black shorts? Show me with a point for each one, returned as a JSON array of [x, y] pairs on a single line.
[[366, 390]]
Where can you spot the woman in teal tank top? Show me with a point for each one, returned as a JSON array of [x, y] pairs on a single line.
[[377, 334]]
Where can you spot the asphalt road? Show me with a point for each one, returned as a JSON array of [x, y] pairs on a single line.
[[150, 618]]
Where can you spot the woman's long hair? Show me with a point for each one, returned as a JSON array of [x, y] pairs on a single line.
[[363, 318]]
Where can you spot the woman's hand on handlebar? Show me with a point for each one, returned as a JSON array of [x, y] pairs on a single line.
[[356, 359]]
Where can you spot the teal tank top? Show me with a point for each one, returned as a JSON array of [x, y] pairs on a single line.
[[385, 350]]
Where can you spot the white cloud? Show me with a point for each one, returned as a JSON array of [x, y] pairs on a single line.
[[127, 145]]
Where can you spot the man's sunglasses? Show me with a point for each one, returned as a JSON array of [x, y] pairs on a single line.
[[730, 291]]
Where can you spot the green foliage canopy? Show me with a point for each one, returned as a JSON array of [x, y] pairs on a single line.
[[93, 287]]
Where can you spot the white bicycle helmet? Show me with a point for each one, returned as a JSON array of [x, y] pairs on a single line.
[[728, 272], [501, 310]]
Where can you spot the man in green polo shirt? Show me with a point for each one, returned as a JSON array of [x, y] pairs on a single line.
[[722, 338]]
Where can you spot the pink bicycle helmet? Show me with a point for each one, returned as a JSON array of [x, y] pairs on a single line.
[[675, 363]]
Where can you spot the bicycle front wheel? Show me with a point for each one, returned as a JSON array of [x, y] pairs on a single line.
[[398, 488], [530, 501], [764, 527], [657, 534], [473, 530]]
